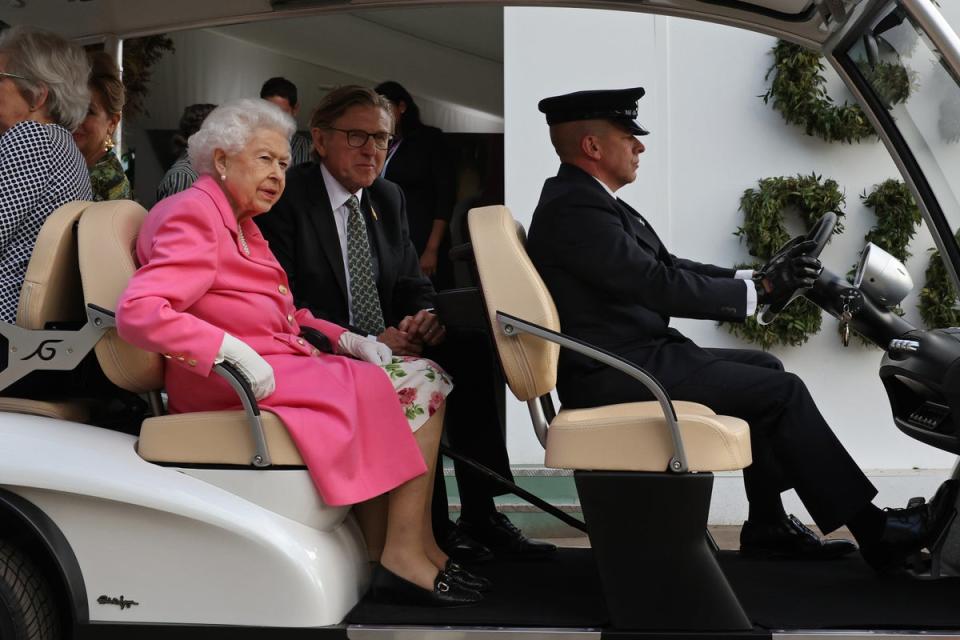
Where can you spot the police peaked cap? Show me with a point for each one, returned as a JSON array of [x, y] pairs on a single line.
[[615, 105]]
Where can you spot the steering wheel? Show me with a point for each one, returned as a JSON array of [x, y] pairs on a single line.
[[819, 236]]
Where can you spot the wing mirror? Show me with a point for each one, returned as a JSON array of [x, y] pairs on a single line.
[[882, 277]]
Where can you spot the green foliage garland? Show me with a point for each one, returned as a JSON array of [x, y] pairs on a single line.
[[938, 296], [798, 91], [898, 218], [764, 232], [139, 56]]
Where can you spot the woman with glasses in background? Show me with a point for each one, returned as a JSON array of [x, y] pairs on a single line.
[[95, 134], [43, 97]]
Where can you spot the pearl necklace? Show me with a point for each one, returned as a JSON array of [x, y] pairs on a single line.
[[243, 241]]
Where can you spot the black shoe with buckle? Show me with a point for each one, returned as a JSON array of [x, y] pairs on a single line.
[[467, 578], [505, 539], [462, 548], [387, 587], [788, 538], [906, 531]]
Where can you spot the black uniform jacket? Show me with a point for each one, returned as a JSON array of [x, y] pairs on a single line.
[[302, 233], [616, 286]]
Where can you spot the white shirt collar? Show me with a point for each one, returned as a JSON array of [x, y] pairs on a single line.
[[335, 191], [605, 187]]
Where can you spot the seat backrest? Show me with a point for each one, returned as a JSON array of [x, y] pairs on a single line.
[[107, 240], [511, 284], [51, 289]]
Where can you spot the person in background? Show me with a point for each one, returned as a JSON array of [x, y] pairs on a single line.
[[181, 175], [94, 136], [420, 162], [283, 93], [43, 97]]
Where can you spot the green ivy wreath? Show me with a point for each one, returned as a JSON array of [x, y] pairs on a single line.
[[938, 296], [764, 232], [898, 218], [799, 93]]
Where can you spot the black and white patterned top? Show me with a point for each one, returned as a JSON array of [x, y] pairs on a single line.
[[40, 170], [179, 177]]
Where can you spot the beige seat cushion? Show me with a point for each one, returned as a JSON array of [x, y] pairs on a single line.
[[72, 411], [213, 437], [634, 437]]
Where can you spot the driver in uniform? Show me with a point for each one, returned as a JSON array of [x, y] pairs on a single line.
[[616, 287]]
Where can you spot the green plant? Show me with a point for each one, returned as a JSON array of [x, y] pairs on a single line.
[[938, 296], [798, 91], [139, 56], [898, 218], [764, 232]]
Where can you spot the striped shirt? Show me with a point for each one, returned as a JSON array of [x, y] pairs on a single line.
[[178, 178], [300, 148], [40, 170]]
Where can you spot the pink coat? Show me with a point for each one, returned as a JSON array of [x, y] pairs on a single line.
[[196, 282]]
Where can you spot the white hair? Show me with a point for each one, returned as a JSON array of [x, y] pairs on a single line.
[[46, 60], [230, 126]]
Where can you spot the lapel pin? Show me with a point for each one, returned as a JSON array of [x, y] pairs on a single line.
[[373, 212]]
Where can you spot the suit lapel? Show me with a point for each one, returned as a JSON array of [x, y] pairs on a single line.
[[642, 229], [325, 226]]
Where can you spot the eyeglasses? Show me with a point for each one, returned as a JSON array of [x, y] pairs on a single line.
[[4, 74], [357, 138]]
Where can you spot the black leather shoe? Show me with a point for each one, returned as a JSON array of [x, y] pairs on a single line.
[[908, 530], [788, 538], [505, 539], [462, 548], [466, 578], [387, 587]]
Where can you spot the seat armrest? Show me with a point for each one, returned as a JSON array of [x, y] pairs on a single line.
[[511, 325], [106, 318]]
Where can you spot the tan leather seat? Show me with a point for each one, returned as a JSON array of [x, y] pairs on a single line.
[[51, 293], [107, 248], [625, 437]]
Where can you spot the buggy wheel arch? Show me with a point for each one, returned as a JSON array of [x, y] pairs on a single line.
[[34, 532]]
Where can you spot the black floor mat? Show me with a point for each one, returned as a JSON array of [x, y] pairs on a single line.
[[561, 592], [565, 592], [839, 594]]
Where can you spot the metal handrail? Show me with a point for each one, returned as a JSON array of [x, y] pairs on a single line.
[[511, 326]]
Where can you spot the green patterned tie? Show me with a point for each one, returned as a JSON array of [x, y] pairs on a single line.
[[367, 313]]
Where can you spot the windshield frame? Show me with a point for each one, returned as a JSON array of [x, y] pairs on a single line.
[[927, 18]]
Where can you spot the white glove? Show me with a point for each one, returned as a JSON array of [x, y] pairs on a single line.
[[368, 349], [256, 371]]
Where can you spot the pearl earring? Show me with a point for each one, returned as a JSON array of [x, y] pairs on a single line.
[[223, 178]]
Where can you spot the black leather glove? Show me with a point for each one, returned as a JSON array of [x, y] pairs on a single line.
[[787, 272]]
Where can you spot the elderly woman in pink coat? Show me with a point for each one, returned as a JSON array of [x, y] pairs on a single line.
[[209, 291]]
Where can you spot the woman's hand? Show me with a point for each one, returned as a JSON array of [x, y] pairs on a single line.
[[255, 370], [366, 349], [428, 262]]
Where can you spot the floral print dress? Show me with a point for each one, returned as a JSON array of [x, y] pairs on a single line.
[[421, 387]]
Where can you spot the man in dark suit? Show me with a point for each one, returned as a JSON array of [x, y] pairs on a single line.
[[308, 231], [616, 286]]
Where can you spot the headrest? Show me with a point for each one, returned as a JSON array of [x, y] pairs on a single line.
[[107, 240], [511, 284], [51, 287]]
